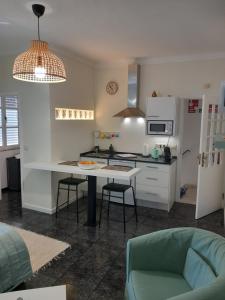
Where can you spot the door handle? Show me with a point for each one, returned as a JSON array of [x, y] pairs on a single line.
[[150, 167], [203, 159], [152, 178], [149, 193]]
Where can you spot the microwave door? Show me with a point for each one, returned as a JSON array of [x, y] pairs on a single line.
[[159, 128], [155, 128]]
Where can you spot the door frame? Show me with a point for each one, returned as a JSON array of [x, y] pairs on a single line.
[[180, 143]]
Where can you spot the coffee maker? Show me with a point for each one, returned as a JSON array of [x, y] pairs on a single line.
[[167, 154]]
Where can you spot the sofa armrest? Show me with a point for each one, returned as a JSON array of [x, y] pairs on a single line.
[[214, 291], [163, 250]]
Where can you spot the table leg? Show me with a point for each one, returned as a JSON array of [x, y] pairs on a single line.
[[91, 210]]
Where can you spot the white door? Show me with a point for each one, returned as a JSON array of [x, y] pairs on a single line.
[[211, 160]]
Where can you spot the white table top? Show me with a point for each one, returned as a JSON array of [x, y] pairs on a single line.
[[98, 172], [56, 293]]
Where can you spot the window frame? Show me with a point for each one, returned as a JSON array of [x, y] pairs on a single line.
[[3, 108]]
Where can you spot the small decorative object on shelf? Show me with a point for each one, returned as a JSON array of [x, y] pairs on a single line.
[[112, 87], [154, 94], [73, 114]]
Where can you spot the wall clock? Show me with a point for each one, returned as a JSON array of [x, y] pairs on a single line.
[[112, 87]]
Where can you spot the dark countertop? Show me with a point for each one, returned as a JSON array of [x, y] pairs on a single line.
[[138, 158]]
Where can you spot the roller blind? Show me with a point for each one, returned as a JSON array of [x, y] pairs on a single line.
[[1, 138], [9, 121]]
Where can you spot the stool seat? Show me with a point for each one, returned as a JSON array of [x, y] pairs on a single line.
[[120, 189], [72, 181], [69, 184], [116, 187]]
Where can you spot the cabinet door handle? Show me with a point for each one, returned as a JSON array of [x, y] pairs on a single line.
[[153, 194], [152, 178], [150, 167], [153, 116]]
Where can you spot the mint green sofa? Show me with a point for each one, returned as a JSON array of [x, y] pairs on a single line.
[[176, 264]]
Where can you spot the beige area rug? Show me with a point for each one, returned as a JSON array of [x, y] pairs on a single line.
[[42, 249]]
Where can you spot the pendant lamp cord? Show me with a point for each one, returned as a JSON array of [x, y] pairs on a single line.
[[38, 29]]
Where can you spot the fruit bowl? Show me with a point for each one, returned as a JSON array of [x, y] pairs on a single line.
[[87, 165]]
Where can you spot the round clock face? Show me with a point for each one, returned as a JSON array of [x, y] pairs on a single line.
[[112, 87]]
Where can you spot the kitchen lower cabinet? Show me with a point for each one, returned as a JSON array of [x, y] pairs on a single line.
[[100, 181], [157, 184]]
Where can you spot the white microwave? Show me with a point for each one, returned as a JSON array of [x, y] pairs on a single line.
[[160, 127]]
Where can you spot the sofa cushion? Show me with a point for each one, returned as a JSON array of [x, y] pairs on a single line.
[[196, 270], [155, 285]]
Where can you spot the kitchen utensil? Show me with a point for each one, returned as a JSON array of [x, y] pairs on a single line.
[[111, 150], [167, 154], [126, 155], [69, 163], [97, 149], [97, 134], [87, 165], [155, 152], [118, 168], [145, 151]]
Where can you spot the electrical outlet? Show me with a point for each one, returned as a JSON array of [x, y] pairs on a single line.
[[173, 148], [207, 86]]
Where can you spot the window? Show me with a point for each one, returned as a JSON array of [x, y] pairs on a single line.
[[9, 121]]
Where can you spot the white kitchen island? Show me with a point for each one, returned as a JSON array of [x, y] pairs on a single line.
[[99, 171]]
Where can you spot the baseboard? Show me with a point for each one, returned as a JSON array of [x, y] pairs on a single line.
[[45, 210], [152, 204], [51, 211]]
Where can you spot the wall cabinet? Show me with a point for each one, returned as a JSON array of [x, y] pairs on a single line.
[[161, 108]]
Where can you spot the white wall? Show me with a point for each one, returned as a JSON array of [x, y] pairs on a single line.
[[183, 79], [35, 139], [43, 138], [70, 138], [132, 131], [35, 135]]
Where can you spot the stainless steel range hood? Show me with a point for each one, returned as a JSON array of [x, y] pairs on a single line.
[[132, 111]]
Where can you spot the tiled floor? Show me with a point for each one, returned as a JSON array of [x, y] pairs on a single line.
[[95, 264], [190, 195]]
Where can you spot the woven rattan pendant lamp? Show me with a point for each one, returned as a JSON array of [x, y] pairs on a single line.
[[38, 63]]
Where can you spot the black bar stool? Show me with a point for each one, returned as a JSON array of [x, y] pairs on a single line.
[[69, 182], [120, 188]]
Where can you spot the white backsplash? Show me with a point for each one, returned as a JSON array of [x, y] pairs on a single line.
[[132, 138]]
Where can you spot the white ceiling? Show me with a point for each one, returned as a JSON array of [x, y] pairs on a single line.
[[105, 30]]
